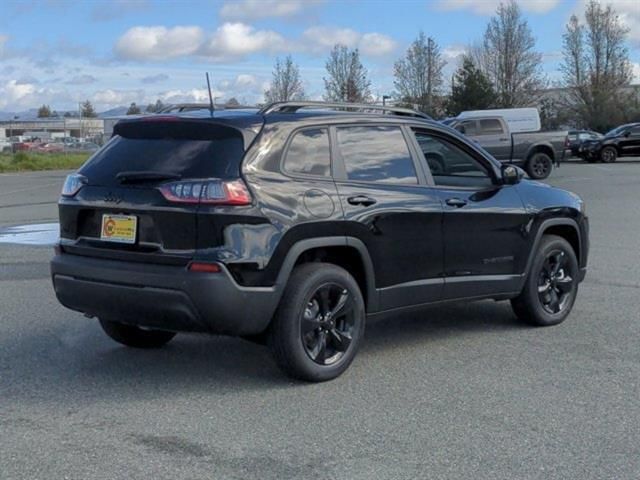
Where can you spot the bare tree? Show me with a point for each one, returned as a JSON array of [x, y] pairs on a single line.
[[508, 58], [596, 67], [286, 83], [348, 79], [418, 76]]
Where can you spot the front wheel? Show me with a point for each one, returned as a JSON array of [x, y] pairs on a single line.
[[319, 324], [136, 337], [539, 166], [608, 155], [552, 284]]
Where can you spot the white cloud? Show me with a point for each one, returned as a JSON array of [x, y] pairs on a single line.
[[257, 9], [453, 52], [112, 98], [160, 77], [82, 80], [159, 43], [15, 93], [3, 49], [236, 40], [488, 7], [321, 39]]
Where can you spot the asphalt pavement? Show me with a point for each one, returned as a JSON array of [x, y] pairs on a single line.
[[462, 391]]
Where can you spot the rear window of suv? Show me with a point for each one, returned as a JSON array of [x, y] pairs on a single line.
[[188, 149]]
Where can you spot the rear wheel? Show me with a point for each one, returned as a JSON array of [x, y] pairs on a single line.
[[551, 286], [608, 155], [539, 166], [136, 337], [319, 324]]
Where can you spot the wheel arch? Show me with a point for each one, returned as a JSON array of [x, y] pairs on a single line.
[[347, 252], [545, 148], [565, 228]]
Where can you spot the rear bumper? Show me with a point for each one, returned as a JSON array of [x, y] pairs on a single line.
[[162, 297]]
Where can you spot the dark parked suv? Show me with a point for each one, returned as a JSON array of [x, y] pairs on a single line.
[[623, 141], [293, 224]]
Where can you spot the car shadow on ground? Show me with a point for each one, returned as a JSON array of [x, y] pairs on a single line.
[[435, 323], [77, 357]]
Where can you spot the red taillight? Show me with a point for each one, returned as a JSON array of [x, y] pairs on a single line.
[[208, 191], [204, 267]]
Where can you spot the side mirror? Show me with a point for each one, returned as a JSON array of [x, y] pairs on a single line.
[[627, 133], [461, 129], [511, 174]]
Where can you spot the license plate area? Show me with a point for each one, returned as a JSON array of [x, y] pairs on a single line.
[[119, 228]]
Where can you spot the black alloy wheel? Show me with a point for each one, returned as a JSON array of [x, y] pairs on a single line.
[[319, 325], [555, 282], [327, 324], [539, 166], [551, 287]]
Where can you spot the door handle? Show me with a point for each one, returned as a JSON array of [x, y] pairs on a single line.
[[456, 202], [361, 200], [504, 139]]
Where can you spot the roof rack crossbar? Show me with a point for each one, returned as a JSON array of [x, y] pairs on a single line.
[[294, 106]]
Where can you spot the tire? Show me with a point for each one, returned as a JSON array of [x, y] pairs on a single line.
[[136, 337], [535, 304], [539, 166], [300, 329], [608, 155]]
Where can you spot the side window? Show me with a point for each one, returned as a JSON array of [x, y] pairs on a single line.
[[635, 131], [376, 154], [467, 127], [490, 126], [450, 165], [308, 153]]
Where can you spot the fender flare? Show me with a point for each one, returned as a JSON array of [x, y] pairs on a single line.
[[536, 146], [302, 246], [545, 224]]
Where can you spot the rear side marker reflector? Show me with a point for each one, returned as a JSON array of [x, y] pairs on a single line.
[[72, 184], [208, 191], [204, 267]]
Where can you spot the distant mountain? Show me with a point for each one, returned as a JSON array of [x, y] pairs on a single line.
[[32, 114]]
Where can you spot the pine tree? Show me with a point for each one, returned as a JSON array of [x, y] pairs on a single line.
[[470, 89], [87, 110]]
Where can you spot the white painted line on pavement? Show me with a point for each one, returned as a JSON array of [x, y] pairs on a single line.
[[36, 234]]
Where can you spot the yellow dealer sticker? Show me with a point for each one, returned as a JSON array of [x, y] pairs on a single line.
[[119, 228]]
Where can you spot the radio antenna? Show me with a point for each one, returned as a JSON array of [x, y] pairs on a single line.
[[211, 106]]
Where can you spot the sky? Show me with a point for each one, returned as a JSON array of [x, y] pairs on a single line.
[[114, 52]]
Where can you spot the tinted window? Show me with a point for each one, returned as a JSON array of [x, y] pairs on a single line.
[[635, 130], [376, 154], [308, 153], [196, 151], [449, 165], [490, 126]]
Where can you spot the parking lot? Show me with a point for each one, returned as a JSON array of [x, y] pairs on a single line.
[[461, 391]]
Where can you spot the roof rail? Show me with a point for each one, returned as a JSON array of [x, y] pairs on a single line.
[[294, 106], [183, 107]]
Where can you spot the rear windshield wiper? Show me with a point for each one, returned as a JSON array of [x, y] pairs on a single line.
[[145, 176]]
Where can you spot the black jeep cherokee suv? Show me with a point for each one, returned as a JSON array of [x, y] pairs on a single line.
[[291, 226]]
